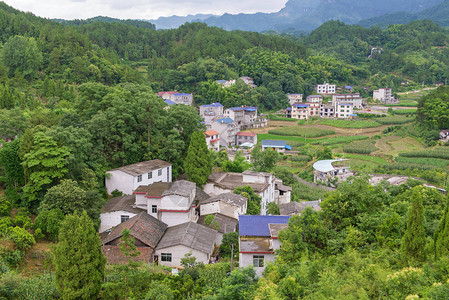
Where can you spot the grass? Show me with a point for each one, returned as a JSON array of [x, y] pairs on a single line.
[[337, 140], [374, 159], [441, 153], [301, 131], [437, 162], [350, 123], [405, 103], [277, 118], [267, 136]]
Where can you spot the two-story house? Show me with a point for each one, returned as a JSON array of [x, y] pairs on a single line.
[[354, 99], [128, 178], [177, 97], [294, 98], [210, 112], [212, 140], [385, 95], [343, 110], [245, 137], [314, 99], [325, 88]]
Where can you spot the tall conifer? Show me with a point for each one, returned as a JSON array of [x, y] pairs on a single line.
[[198, 163]]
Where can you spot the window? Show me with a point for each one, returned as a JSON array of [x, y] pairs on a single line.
[[154, 209], [159, 172], [258, 261], [165, 256], [139, 178], [123, 218], [150, 175]]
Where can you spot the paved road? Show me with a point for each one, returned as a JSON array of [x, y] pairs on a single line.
[[314, 185]]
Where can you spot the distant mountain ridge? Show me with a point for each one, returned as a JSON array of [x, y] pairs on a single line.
[[304, 15], [438, 14]]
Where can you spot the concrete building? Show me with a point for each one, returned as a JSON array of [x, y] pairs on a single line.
[[177, 97], [228, 204], [258, 240], [212, 140], [314, 109], [179, 240], [327, 111], [325, 88], [227, 129], [354, 99], [118, 210], [244, 137], [314, 99], [294, 98], [343, 110], [384, 95], [298, 111], [235, 113], [277, 145], [128, 178], [210, 112], [331, 169]]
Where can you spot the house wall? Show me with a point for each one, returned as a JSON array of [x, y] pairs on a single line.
[[246, 259], [175, 218], [221, 207], [178, 252], [112, 219], [150, 202]]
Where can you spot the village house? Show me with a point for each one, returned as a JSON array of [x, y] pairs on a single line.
[[325, 88], [314, 99], [331, 169], [179, 240], [295, 208], [235, 113], [212, 140], [444, 135], [248, 81], [128, 178], [211, 111], [258, 240], [276, 145], [314, 109], [177, 97], [282, 193], [384, 95], [225, 225], [294, 98], [263, 184], [343, 110], [118, 210], [227, 129], [354, 99], [244, 137], [298, 111], [228, 204], [225, 83], [146, 231], [327, 111]]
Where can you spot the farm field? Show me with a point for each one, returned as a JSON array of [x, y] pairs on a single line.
[[350, 123]]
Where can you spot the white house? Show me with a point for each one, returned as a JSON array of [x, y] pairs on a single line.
[[314, 99], [343, 110], [262, 183], [298, 111], [228, 204], [277, 145], [235, 113], [177, 97], [128, 178], [210, 112], [354, 99], [116, 211], [258, 240], [327, 111], [212, 140], [181, 239], [325, 170], [227, 129], [245, 137], [384, 96], [294, 98], [325, 88]]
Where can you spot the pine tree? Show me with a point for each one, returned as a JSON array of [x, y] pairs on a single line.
[[441, 236], [78, 260], [414, 240], [198, 163]]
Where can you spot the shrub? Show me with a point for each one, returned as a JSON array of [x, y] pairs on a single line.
[[12, 257], [5, 226], [21, 238], [301, 158]]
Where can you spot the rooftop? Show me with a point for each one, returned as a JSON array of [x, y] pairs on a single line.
[[191, 235], [231, 181], [169, 102], [227, 224], [211, 132], [236, 108], [293, 208], [258, 225], [125, 203], [316, 96], [243, 133], [143, 227], [154, 190], [115, 256], [215, 104], [171, 93], [182, 94], [274, 143], [143, 167], [254, 245], [275, 228], [326, 165], [229, 198], [225, 121], [181, 188]]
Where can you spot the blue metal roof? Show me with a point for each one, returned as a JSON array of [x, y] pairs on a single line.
[[273, 143], [300, 105], [182, 94], [348, 87], [353, 115], [215, 104], [225, 121], [316, 96], [288, 147], [258, 225], [289, 108], [236, 108], [169, 102], [221, 81]]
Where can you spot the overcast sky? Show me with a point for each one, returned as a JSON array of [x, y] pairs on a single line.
[[140, 9]]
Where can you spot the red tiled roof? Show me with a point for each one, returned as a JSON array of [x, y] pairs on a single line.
[[171, 93], [242, 133], [211, 132], [115, 256]]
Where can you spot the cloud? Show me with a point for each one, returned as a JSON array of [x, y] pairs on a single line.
[[140, 9]]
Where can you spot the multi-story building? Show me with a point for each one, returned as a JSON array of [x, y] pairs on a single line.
[[354, 99], [327, 111], [294, 98], [384, 96], [343, 110], [314, 99], [177, 97], [212, 140], [227, 129], [235, 113], [325, 88], [211, 111], [244, 137], [314, 109], [298, 111]]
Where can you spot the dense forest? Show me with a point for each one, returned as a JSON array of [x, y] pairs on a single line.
[[78, 98]]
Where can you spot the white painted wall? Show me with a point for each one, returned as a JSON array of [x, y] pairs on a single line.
[[246, 259], [175, 218], [112, 219], [178, 252]]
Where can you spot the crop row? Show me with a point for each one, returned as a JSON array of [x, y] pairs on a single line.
[[350, 123], [394, 120], [301, 131], [437, 162], [363, 147], [438, 153], [338, 140]]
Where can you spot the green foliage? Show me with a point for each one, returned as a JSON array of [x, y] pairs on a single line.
[[437, 162], [21, 238], [325, 153], [254, 200], [349, 123], [394, 120], [78, 259], [273, 209], [238, 165], [230, 238], [439, 152], [365, 147], [23, 55], [239, 285], [414, 240], [264, 160], [210, 222], [49, 222], [159, 291], [198, 164], [301, 131], [338, 140]]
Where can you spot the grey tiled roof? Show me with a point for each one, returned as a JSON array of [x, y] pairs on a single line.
[[229, 198], [227, 224], [143, 167], [125, 203], [181, 188], [191, 235]]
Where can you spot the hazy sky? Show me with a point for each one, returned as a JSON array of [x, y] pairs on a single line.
[[140, 9]]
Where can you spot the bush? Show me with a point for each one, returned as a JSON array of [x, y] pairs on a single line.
[[5, 226], [21, 238], [12, 257], [116, 193]]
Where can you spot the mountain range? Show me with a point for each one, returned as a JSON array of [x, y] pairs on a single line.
[[306, 15]]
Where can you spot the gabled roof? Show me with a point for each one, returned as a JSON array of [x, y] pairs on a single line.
[[236, 108], [162, 93], [143, 167], [143, 227], [124, 203], [211, 132], [221, 81], [181, 94], [258, 225], [229, 198], [250, 108], [274, 143], [300, 105], [154, 190], [245, 133], [181, 188], [191, 235], [115, 256], [225, 121], [227, 224], [275, 228]]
